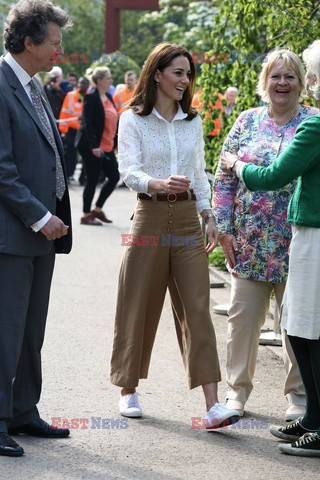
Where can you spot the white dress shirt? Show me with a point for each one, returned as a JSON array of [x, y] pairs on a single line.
[[151, 147], [24, 78]]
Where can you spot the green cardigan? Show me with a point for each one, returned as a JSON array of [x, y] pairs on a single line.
[[301, 159]]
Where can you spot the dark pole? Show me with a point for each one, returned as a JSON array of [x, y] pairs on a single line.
[[112, 22]]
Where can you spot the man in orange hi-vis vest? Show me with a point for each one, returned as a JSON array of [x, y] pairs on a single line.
[[197, 103], [124, 93], [69, 123]]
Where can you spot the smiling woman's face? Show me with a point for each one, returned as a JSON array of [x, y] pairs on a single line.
[[283, 86], [174, 79]]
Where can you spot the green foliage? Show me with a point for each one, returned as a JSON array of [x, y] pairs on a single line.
[[217, 259], [118, 65], [86, 36], [187, 23], [245, 31], [137, 36]]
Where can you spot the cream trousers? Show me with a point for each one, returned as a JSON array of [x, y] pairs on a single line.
[[250, 301]]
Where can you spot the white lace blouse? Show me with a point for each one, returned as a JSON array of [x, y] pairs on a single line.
[[151, 147]]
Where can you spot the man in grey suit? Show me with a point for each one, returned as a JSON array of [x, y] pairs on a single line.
[[35, 219]]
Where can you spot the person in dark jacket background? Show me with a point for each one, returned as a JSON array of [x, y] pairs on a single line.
[[96, 140]]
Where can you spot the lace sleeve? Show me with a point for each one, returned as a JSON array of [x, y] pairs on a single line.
[[201, 183], [131, 154]]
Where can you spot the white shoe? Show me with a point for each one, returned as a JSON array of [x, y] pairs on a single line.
[[221, 416], [294, 412], [235, 405], [129, 405], [270, 338]]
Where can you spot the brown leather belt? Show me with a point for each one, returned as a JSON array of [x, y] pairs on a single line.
[[168, 197]]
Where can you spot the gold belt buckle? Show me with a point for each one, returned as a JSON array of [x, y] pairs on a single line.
[[174, 197]]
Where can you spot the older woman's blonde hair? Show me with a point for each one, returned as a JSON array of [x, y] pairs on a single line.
[[98, 73], [311, 57], [291, 61]]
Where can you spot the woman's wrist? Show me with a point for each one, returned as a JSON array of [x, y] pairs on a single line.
[[156, 185], [233, 165], [207, 215]]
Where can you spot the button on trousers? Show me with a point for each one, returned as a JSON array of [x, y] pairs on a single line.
[[165, 250]]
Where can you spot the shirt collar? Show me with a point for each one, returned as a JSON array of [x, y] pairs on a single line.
[[180, 115], [23, 77]]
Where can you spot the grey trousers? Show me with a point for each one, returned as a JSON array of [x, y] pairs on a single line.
[[24, 296]]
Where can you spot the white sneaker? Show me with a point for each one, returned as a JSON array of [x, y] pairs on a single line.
[[221, 416], [129, 405], [294, 412]]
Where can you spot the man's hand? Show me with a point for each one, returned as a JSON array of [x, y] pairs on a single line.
[[54, 228]]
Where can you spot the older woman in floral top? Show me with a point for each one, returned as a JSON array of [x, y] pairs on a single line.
[[253, 228]]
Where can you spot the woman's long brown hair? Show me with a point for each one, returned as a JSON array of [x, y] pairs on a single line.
[[145, 95]]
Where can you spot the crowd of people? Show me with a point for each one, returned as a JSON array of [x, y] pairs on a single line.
[[87, 111], [156, 128]]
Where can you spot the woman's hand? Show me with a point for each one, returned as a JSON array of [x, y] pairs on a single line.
[[213, 236], [172, 184], [97, 152], [229, 246], [227, 162]]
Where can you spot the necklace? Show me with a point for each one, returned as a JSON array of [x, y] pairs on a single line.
[[281, 134], [295, 112]]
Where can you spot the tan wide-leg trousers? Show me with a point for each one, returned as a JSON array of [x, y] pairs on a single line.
[[249, 307], [145, 274]]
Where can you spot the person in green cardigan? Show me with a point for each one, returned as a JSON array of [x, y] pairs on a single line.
[[301, 303]]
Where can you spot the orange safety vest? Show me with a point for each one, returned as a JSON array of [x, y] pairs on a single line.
[[72, 107], [197, 103], [122, 97]]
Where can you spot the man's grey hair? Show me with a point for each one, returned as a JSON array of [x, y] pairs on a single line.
[[30, 18]]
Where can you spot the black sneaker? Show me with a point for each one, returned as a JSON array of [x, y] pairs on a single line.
[[292, 431], [306, 446]]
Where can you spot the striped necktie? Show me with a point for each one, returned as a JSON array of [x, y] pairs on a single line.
[[38, 105]]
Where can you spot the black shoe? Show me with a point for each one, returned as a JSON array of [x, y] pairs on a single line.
[[9, 447], [292, 431], [40, 428], [307, 446]]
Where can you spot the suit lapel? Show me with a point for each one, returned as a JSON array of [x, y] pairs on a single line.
[[23, 98], [53, 122]]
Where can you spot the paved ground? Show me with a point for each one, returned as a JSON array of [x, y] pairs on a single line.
[[162, 445]]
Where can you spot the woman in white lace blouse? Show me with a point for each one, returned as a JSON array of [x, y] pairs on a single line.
[[161, 157]]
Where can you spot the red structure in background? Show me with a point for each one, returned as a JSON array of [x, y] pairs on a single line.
[[113, 7]]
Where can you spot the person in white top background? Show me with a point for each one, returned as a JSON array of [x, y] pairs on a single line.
[[161, 156]]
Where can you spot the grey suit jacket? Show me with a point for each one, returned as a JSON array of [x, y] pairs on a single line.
[[27, 172]]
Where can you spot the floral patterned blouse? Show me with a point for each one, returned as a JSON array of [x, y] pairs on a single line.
[[257, 219]]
